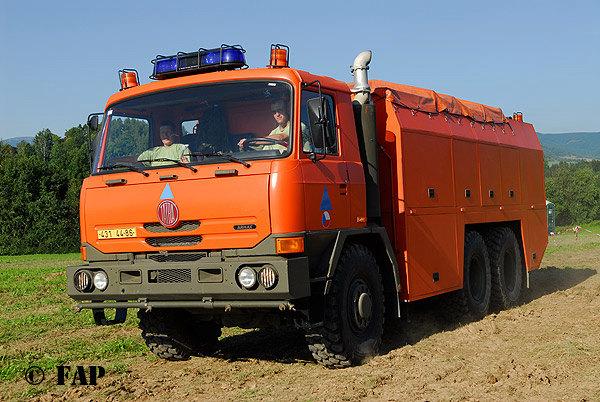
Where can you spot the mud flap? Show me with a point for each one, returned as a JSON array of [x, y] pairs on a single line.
[[100, 317]]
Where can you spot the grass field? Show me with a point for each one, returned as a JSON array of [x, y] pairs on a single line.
[[568, 240], [38, 327]]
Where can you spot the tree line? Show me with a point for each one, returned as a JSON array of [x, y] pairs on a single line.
[[574, 187], [39, 193], [40, 185]]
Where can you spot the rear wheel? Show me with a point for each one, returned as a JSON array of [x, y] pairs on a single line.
[[506, 267], [472, 301], [174, 334], [354, 312]]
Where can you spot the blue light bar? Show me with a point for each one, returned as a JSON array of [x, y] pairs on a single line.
[[224, 58], [165, 65]]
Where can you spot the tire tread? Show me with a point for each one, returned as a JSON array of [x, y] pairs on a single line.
[[326, 343]]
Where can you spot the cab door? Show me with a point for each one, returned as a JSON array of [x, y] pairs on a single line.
[[326, 192]]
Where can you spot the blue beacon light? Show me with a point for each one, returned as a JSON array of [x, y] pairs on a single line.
[[165, 65], [219, 59]]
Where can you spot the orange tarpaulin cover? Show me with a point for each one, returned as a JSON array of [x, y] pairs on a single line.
[[426, 100]]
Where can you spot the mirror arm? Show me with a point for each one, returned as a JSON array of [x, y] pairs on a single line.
[[307, 84], [90, 123]]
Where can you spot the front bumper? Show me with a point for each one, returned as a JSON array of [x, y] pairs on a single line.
[[210, 283]]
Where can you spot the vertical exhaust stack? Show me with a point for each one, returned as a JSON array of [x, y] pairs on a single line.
[[361, 79], [366, 130]]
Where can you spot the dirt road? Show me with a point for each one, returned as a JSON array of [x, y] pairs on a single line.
[[547, 349]]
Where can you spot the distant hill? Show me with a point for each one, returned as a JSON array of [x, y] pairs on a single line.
[[570, 146], [16, 140]]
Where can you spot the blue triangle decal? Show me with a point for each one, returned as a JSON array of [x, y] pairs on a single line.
[[167, 194], [325, 203]]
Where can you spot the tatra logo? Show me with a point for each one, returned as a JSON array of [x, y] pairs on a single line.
[[168, 213]]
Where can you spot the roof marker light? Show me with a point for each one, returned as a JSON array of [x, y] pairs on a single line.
[[219, 59], [279, 56], [128, 78]]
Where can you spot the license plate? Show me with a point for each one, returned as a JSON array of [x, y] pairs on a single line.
[[116, 233]]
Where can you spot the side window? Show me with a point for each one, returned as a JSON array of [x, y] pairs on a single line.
[[307, 145]]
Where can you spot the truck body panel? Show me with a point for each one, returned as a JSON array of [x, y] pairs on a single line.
[[451, 164]]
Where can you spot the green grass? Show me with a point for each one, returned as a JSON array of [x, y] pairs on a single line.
[[569, 241], [38, 324]]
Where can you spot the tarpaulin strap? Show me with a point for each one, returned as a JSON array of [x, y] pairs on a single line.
[[511, 129]]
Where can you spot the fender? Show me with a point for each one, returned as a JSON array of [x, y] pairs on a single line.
[[376, 239]]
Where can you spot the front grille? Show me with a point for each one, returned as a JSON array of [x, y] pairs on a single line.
[[179, 257], [172, 275], [174, 241], [184, 226]]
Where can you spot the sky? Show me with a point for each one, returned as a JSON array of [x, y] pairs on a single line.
[[60, 59]]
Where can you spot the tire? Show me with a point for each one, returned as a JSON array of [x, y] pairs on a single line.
[[176, 334], [473, 300], [354, 312], [506, 267]]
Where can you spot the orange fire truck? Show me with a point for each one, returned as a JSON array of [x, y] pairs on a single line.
[[227, 196]]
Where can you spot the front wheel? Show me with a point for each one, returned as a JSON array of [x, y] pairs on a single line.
[[354, 312], [174, 334]]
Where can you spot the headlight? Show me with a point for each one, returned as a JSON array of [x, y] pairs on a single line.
[[83, 281], [267, 277], [247, 278], [100, 280]]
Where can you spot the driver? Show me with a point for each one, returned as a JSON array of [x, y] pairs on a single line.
[[281, 114], [171, 148]]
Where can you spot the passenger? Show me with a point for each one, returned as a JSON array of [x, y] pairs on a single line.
[[171, 148]]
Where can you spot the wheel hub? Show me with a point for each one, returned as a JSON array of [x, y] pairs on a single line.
[[365, 306], [361, 305]]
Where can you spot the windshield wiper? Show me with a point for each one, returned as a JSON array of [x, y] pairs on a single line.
[[226, 156], [122, 165], [180, 163]]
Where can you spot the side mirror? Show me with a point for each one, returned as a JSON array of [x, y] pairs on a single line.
[[321, 126], [93, 122]]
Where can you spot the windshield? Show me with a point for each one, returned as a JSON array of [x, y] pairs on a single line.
[[203, 124]]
